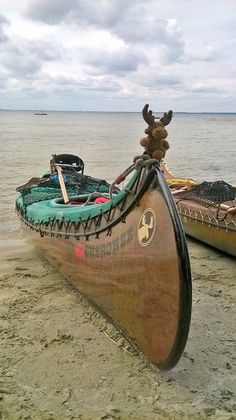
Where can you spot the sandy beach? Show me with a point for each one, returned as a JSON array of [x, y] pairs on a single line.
[[60, 359]]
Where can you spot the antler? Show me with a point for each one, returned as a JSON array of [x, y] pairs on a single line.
[[166, 119], [147, 115], [150, 119]]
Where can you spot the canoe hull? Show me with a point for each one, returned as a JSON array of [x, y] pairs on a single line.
[[204, 226], [136, 273], [207, 222]]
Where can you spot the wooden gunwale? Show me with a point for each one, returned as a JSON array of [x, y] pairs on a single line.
[[206, 219]]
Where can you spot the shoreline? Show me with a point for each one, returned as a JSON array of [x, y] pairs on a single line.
[[60, 359]]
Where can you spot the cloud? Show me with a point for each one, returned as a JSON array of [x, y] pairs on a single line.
[[118, 62], [203, 53], [103, 13], [206, 87], [51, 12], [3, 20], [88, 83], [3, 23], [20, 65], [25, 58], [134, 23], [164, 80], [116, 51]]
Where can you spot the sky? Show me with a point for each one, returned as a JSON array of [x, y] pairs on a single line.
[[117, 55]]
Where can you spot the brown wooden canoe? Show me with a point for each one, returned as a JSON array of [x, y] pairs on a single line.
[[209, 222], [128, 256]]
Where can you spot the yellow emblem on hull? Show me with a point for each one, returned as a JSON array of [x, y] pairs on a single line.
[[146, 227]]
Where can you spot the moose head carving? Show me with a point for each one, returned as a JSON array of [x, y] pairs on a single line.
[[155, 144]]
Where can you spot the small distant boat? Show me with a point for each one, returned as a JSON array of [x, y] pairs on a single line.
[[207, 210], [40, 113], [125, 250]]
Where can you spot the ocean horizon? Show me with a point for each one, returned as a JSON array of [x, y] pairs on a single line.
[[115, 112]]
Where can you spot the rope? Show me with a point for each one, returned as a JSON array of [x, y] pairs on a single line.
[[139, 162], [94, 194]]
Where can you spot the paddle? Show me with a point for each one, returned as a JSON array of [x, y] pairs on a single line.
[[62, 183]]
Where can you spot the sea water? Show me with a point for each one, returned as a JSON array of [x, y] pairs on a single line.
[[202, 146]]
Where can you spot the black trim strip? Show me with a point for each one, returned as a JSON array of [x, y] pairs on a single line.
[[185, 272]]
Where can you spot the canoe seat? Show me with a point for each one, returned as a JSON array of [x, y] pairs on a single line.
[[68, 162]]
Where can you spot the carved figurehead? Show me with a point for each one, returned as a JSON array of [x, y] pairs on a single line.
[[155, 144]]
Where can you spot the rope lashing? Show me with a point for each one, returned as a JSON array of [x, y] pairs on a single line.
[[140, 162], [119, 179], [124, 174]]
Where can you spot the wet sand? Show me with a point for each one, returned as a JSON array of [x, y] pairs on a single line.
[[59, 359]]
